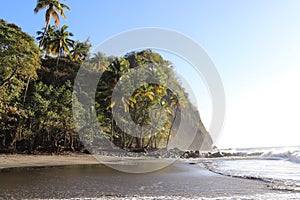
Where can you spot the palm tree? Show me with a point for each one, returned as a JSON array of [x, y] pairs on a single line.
[[80, 51], [61, 42], [54, 9], [44, 39], [100, 61]]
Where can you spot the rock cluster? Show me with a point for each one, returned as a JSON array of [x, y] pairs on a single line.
[[164, 153], [198, 154]]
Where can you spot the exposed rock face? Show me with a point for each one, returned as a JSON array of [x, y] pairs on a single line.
[[202, 141], [190, 132]]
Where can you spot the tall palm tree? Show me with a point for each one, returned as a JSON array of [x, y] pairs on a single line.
[[61, 43], [53, 9]]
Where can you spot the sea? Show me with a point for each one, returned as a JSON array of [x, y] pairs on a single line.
[[278, 166]]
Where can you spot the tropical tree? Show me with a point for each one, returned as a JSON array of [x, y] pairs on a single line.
[[80, 51], [44, 39], [100, 61], [19, 61], [61, 43], [150, 105], [105, 89], [53, 9]]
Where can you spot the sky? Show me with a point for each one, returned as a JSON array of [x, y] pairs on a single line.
[[254, 44]]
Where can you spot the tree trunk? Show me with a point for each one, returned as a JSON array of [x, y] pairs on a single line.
[[112, 132], [57, 61], [149, 142], [129, 145], [138, 143], [26, 89], [44, 35], [170, 130]]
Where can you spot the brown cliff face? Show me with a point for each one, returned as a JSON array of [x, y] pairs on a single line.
[[189, 131], [202, 141]]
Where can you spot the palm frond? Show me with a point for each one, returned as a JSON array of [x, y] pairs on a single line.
[[41, 4], [64, 6], [53, 8], [55, 16]]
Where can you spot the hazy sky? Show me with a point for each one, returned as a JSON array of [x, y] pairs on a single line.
[[255, 45]]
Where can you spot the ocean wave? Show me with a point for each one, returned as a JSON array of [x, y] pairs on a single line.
[[278, 166], [272, 168], [273, 183], [277, 153], [290, 155]]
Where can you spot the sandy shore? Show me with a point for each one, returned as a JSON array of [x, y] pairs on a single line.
[[178, 181], [19, 160], [23, 160]]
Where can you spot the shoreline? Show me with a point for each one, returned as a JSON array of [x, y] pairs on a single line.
[[181, 179], [8, 161], [24, 160]]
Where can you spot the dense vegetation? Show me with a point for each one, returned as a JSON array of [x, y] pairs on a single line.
[[36, 86], [149, 117], [35, 97]]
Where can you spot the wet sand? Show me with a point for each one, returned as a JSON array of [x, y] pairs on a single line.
[[19, 160], [87, 179]]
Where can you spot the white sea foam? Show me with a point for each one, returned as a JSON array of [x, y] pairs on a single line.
[[280, 166], [292, 155], [287, 153]]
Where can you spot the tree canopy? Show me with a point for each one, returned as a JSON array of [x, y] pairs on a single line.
[[19, 61], [36, 86], [53, 9]]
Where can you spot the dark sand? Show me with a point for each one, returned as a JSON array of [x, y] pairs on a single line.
[[86, 179]]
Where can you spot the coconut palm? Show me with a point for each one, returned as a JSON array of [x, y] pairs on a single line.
[[100, 61], [44, 39], [61, 43], [53, 9], [80, 51]]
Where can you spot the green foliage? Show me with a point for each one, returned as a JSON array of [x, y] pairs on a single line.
[[53, 9], [80, 51], [57, 42], [44, 39], [19, 60], [49, 103], [36, 96], [36, 93], [51, 116], [60, 43], [150, 104]]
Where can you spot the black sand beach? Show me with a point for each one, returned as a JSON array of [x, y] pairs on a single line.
[[98, 181]]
